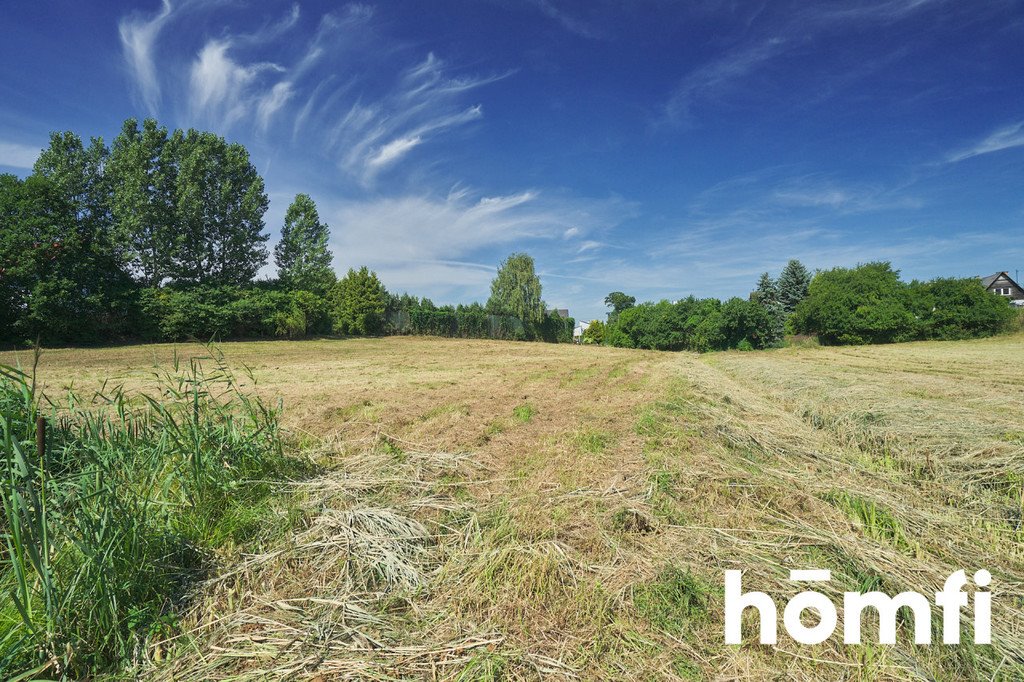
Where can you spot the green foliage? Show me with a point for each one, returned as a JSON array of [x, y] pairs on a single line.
[[595, 333], [694, 324], [219, 207], [653, 326], [793, 285], [618, 302], [673, 601], [751, 324], [358, 302], [302, 257], [876, 521], [767, 291], [105, 533], [142, 173], [524, 412], [185, 208], [409, 315], [554, 329], [869, 304], [188, 205], [516, 291], [866, 304], [959, 309], [205, 313], [59, 281], [767, 296]]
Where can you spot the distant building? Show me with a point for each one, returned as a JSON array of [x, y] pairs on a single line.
[[1002, 284], [561, 312], [577, 332]]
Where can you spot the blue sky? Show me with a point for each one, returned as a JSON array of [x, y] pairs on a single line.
[[659, 148]]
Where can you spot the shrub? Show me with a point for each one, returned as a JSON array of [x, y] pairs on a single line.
[[866, 304], [694, 324], [594, 333], [358, 302], [869, 304], [555, 329], [959, 309], [205, 313]]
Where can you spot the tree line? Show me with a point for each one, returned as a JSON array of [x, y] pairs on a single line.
[[159, 237], [861, 305]]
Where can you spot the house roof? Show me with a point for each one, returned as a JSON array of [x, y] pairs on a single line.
[[990, 280]]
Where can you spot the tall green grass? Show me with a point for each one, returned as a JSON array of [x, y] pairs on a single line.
[[103, 534]]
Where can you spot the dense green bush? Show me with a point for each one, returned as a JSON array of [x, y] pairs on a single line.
[[866, 304], [204, 313], [693, 324], [358, 302], [594, 333], [554, 329], [869, 304], [407, 314], [959, 309]]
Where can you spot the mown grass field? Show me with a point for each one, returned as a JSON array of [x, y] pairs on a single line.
[[496, 510]]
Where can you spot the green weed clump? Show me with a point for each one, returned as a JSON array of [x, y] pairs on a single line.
[[874, 519], [673, 600], [524, 412], [107, 529]]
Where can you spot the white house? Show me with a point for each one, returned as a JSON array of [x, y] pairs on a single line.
[[577, 332]]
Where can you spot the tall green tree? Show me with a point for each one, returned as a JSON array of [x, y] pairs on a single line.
[[302, 257], [142, 173], [767, 291], [516, 290], [767, 296], [793, 284], [219, 208], [88, 260], [53, 285], [618, 302], [358, 301], [77, 173]]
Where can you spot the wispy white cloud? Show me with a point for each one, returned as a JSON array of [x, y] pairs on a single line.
[[425, 101], [138, 40], [448, 248], [569, 22], [714, 78], [392, 151], [223, 91], [272, 31], [369, 125], [817, 192], [1007, 137], [589, 245], [767, 38], [271, 102], [414, 240], [783, 194], [15, 155]]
